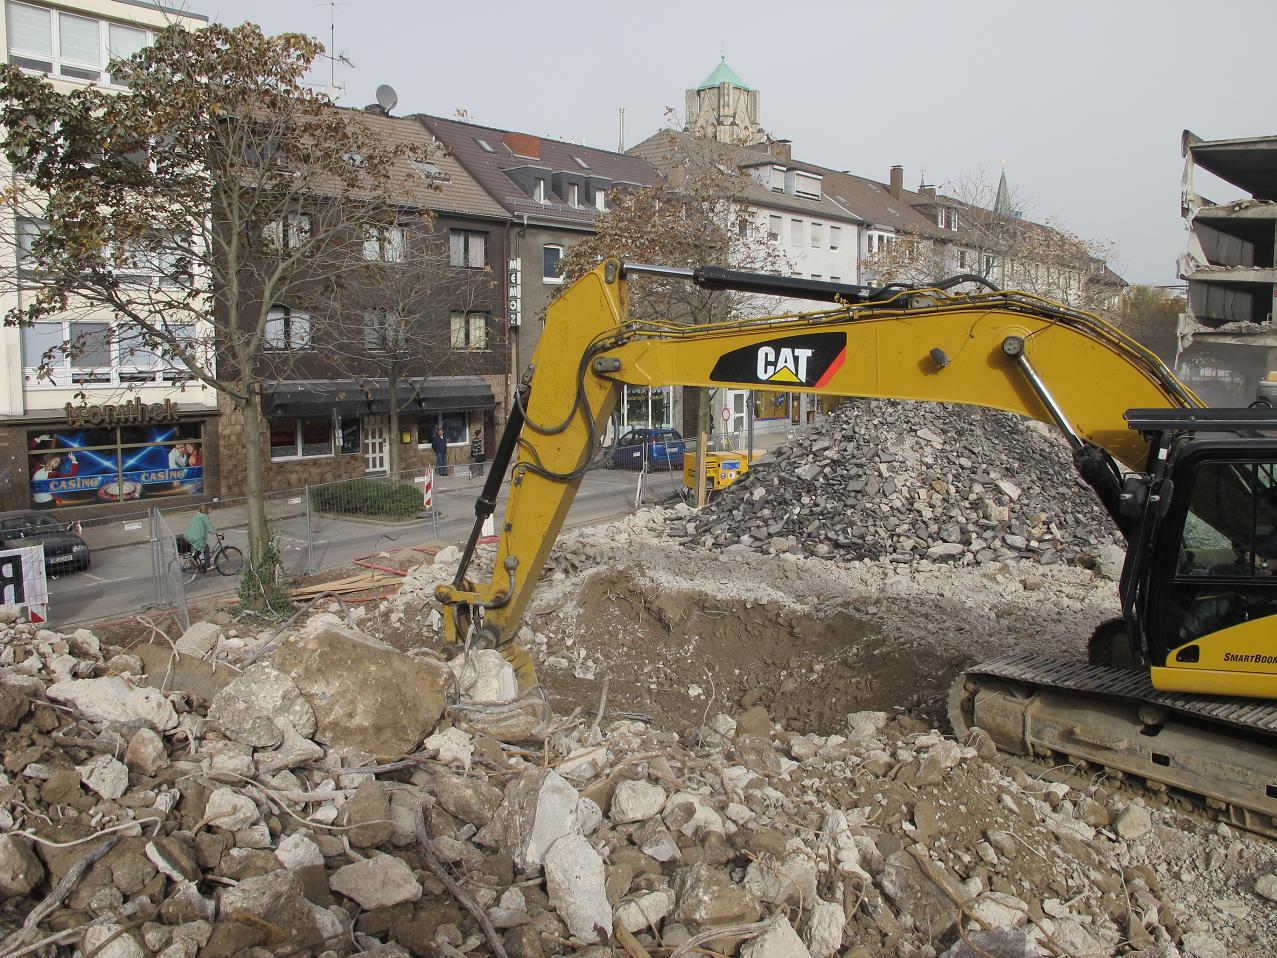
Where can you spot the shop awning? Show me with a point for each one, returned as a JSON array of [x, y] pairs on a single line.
[[348, 397]]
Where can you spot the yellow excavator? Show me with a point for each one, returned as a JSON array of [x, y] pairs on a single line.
[[1177, 691]]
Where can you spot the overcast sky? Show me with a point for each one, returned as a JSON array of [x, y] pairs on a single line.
[[1084, 101]]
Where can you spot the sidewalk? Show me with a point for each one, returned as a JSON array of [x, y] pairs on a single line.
[[289, 504]]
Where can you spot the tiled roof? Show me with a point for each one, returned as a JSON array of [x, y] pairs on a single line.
[[487, 152], [458, 191], [669, 149]]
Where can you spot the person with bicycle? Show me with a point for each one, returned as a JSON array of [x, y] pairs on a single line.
[[199, 530]]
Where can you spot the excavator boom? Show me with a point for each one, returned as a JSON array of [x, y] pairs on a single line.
[[998, 350]]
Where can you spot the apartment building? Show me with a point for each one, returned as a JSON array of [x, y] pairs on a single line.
[[102, 428]]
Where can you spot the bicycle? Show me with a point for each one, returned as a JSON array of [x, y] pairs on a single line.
[[228, 560]]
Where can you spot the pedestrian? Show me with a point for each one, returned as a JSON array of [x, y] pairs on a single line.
[[440, 445], [198, 531]]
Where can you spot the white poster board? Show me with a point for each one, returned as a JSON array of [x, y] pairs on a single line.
[[23, 582]]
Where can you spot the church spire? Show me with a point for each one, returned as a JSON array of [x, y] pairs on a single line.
[[1002, 205]]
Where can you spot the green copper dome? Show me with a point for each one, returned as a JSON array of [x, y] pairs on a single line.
[[723, 74]]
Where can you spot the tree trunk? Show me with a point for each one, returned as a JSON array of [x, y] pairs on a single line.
[[258, 534], [392, 449]]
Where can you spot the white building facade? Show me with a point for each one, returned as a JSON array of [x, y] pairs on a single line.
[[89, 425]]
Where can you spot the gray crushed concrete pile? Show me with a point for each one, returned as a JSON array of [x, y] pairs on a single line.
[[265, 819], [883, 479]]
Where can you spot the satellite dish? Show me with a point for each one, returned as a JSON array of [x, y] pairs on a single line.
[[387, 98]]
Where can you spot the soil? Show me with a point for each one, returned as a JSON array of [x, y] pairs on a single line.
[[681, 655]]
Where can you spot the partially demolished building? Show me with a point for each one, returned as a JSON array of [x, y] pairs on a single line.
[[1228, 343]]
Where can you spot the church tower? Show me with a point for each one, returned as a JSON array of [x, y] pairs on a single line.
[[723, 108]]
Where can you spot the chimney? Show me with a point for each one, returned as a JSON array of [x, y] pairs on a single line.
[[927, 190], [783, 150], [521, 144], [897, 181]]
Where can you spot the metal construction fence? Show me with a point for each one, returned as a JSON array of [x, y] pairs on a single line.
[[136, 565], [166, 569]]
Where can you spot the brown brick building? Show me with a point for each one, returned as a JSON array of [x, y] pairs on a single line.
[[439, 271]]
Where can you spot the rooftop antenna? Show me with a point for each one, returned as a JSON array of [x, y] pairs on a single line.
[[620, 141], [387, 98]]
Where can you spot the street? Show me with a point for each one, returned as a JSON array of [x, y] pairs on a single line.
[[119, 583]]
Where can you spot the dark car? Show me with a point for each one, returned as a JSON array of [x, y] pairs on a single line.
[[64, 551], [658, 448]]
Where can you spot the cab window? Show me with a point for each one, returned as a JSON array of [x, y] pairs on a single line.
[[1231, 526]]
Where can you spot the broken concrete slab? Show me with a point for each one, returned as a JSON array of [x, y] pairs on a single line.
[[112, 700], [364, 693]]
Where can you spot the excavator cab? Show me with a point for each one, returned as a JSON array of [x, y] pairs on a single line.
[[1200, 586]]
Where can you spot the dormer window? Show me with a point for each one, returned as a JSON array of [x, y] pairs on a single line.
[[574, 195], [538, 192], [581, 163], [600, 199], [484, 145], [940, 218]]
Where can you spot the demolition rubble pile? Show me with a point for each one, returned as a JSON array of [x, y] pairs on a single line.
[[321, 793], [910, 481]]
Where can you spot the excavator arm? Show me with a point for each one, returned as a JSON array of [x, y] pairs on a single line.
[[1000, 350]]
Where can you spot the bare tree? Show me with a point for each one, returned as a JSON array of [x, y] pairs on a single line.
[[992, 239], [404, 312], [193, 209]]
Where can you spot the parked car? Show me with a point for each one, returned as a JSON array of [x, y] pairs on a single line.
[[659, 448], [64, 551]]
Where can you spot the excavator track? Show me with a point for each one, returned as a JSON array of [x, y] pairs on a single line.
[[1220, 751]]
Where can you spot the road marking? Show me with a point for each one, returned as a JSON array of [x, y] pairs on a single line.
[[98, 578]]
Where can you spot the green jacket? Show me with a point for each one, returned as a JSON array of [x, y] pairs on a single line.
[[199, 529]]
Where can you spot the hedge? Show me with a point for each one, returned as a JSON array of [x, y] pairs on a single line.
[[366, 497]]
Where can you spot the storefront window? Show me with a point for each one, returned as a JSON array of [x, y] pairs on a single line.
[[80, 467], [772, 405], [351, 443], [309, 438], [455, 422], [650, 408]]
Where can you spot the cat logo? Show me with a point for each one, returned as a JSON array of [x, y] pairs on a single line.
[[795, 361], [783, 366]]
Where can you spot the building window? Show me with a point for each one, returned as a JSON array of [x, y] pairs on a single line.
[[469, 331], [93, 464], [962, 259], [384, 244], [538, 191], [600, 199], [66, 353], [816, 230], [84, 46], [384, 331], [835, 237], [308, 438], [290, 232], [287, 329], [815, 276], [29, 230], [550, 256], [574, 195], [642, 407], [795, 232], [455, 423], [835, 279], [484, 145], [467, 249], [988, 264], [774, 226]]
